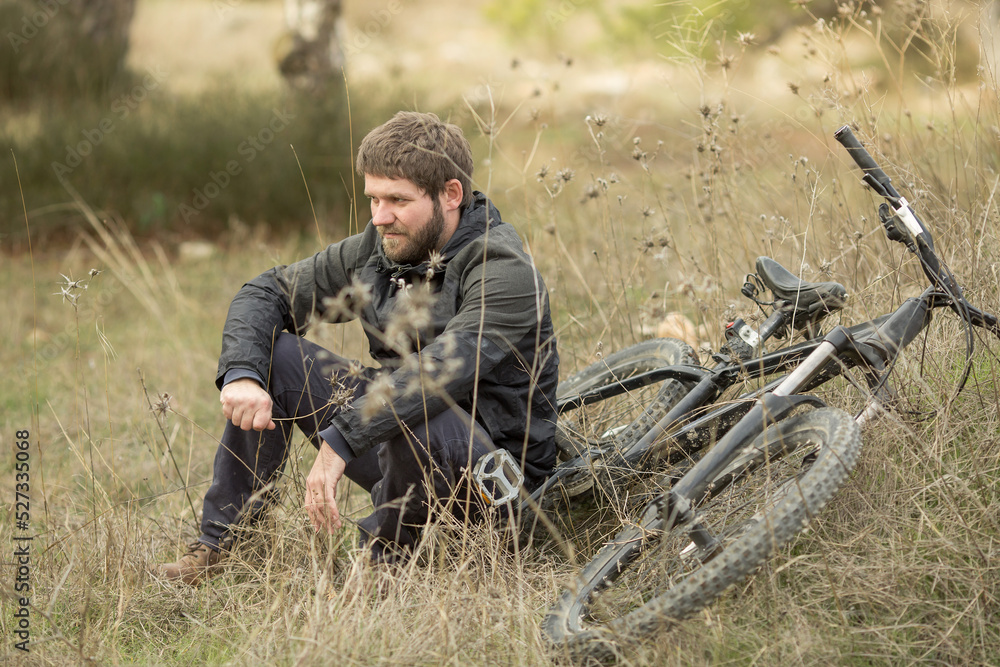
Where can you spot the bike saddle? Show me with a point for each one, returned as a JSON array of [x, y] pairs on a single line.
[[809, 302]]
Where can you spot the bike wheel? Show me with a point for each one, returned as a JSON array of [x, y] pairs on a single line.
[[652, 576], [628, 416], [591, 437]]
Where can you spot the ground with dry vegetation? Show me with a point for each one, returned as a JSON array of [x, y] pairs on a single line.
[[635, 203]]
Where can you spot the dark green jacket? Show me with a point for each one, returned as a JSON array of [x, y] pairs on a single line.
[[489, 342]]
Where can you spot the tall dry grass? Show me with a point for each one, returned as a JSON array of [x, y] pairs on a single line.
[[628, 218]]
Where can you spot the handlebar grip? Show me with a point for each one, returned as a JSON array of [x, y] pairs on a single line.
[[863, 158]]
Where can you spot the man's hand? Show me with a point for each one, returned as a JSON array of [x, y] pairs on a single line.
[[321, 489], [247, 405]]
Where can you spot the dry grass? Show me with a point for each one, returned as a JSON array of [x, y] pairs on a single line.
[[901, 568]]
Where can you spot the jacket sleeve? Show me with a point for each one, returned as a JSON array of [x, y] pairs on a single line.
[[501, 302], [285, 298]]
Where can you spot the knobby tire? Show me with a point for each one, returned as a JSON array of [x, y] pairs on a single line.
[[611, 425], [603, 611]]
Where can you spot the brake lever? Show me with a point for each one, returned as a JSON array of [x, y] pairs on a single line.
[[893, 231]]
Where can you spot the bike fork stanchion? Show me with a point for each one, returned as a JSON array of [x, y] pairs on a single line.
[[769, 408]]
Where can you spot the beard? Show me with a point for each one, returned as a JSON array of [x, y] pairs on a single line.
[[414, 246]]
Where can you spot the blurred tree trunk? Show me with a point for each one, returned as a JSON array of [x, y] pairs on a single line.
[[104, 26], [989, 35], [63, 48], [313, 59]]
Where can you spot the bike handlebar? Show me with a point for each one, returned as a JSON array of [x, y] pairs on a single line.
[[922, 243], [877, 179]]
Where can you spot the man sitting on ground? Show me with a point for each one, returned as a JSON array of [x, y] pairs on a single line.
[[458, 319]]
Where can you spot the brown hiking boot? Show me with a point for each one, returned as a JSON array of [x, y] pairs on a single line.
[[201, 562]]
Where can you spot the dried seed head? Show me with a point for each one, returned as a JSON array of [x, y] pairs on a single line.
[[162, 405], [73, 284], [435, 263], [343, 396], [378, 396], [349, 302], [411, 315], [67, 295]]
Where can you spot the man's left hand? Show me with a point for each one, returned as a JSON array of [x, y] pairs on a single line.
[[321, 489]]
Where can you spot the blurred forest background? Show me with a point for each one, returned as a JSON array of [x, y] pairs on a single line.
[[140, 106]]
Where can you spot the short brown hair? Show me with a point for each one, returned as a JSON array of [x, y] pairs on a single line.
[[420, 148]]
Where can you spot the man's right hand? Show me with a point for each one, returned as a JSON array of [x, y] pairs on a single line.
[[247, 405]]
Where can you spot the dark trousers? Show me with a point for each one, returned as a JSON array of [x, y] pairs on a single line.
[[405, 475]]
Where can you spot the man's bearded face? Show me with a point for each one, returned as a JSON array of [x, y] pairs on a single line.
[[409, 221]]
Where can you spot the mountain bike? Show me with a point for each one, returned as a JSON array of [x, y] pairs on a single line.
[[739, 480]]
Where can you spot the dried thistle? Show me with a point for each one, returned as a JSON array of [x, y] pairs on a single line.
[[343, 396], [411, 315], [162, 404], [67, 295], [422, 370], [73, 284], [355, 370], [379, 395], [435, 263], [69, 289], [349, 302], [414, 307], [590, 192], [431, 374]]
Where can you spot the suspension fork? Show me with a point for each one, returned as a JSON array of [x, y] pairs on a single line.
[[684, 496]]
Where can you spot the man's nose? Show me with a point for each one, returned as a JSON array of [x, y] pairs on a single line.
[[382, 215]]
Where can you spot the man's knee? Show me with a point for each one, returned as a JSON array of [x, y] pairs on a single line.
[[451, 438], [290, 353], [297, 365], [296, 361]]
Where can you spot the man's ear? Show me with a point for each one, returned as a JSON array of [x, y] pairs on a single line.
[[452, 195]]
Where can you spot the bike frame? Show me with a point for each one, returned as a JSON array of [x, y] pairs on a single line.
[[746, 446], [871, 346], [868, 346]]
